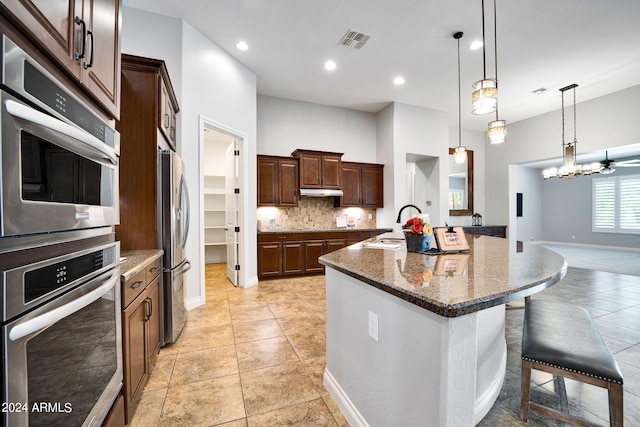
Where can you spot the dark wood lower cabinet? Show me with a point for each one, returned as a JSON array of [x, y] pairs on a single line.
[[141, 331], [297, 253], [115, 417], [487, 230]]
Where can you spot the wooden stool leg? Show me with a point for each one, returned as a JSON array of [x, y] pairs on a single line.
[[616, 415], [525, 387]]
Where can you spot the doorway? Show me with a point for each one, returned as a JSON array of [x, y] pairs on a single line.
[[221, 206]]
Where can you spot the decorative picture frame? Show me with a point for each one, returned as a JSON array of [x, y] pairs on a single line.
[[450, 239]]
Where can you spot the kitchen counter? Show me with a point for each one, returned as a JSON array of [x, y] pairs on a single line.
[[137, 260], [324, 230], [494, 274], [415, 339]]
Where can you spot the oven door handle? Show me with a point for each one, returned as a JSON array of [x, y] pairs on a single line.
[[30, 326], [31, 115]]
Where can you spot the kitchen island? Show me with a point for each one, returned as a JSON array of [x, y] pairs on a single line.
[[417, 340]]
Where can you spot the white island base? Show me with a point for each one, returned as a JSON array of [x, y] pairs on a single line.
[[424, 369]]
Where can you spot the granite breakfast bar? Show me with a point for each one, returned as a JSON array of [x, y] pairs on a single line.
[[415, 339]]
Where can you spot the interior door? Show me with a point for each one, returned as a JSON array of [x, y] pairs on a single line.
[[231, 207]]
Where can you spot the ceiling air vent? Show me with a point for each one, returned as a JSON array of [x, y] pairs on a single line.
[[354, 39]]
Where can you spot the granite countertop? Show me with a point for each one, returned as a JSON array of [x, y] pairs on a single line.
[[321, 230], [491, 273], [137, 260]]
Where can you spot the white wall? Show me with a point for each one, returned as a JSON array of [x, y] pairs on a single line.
[[210, 83], [285, 125], [422, 132], [529, 226]]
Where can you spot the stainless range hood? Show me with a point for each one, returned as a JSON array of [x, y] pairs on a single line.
[[320, 192]]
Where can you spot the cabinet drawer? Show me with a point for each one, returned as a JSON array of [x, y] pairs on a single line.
[[153, 270], [279, 237], [133, 287]]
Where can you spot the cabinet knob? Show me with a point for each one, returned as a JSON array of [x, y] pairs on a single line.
[[154, 269], [137, 284]]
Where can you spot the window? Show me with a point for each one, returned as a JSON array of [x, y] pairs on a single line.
[[455, 199], [616, 204]]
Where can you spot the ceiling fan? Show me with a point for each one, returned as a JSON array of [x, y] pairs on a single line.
[[606, 166]]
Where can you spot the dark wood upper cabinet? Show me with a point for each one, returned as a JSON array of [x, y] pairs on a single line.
[[372, 186], [319, 169], [82, 37], [277, 181], [362, 185], [142, 79]]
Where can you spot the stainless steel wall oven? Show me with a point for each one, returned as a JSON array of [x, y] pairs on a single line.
[[59, 158], [59, 264]]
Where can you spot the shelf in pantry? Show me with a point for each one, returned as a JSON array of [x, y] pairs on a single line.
[[215, 210], [215, 191], [215, 226], [216, 244]]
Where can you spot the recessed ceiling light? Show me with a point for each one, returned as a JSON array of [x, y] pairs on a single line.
[[330, 65], [398, 81], [476, 44], [242, 45]]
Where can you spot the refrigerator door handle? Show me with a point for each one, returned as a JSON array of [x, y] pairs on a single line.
[[184, 226], [181, 268]]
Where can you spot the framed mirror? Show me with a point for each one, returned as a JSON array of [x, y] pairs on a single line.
[[461, 186]]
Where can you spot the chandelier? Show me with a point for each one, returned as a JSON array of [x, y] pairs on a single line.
[[497, 132], [570, 168], [484, 98]]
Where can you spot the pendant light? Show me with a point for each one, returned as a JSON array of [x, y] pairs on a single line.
[[460, 152], [570, 168], [497, 132], [484, 98]]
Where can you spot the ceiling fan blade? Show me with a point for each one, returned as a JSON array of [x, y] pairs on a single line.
[[628, 163]]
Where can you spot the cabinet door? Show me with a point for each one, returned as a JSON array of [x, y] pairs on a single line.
[[115, 417], [351, 186], [310, 171], [267, 181], [331, 169], [313, 250], [154, 326], [288, 183], [292, 258], [269, 259], [134, 350], [372, 186], [334, 245], [51, 24], [101, 67]]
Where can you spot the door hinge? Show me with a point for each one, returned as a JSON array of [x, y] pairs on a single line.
[[237, 229], [237, 267], [236, 190], [236, 152]]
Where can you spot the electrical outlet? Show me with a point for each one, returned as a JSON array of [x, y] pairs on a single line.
[[370, 216], [373, 326]]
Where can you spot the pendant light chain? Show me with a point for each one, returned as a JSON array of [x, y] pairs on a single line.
[[575, 137], [495, 47], [459, 99], [484, 60]]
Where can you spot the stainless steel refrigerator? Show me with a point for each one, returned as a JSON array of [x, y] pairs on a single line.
[[174, 229]]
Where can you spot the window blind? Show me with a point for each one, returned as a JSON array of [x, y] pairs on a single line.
[[616, 204]]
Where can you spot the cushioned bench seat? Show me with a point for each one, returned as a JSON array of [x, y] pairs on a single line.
[[561, 338]]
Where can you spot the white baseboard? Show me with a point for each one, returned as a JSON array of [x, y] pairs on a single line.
[[585, 245], [251, 281], [194, 302], [350, 412]]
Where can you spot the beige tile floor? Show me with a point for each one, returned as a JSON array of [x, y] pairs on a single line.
[[249, 357], [255, 357]]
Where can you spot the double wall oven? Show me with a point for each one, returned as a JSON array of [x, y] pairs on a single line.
[[60, 308]]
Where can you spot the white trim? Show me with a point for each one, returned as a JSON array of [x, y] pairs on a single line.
[[585, 245], [350, 412], [194, 302], [485, 402], [242, 166]]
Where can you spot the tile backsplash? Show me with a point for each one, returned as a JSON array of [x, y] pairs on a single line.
[[312, 213]]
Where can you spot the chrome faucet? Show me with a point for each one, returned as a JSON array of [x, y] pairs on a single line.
[[403, 208]]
